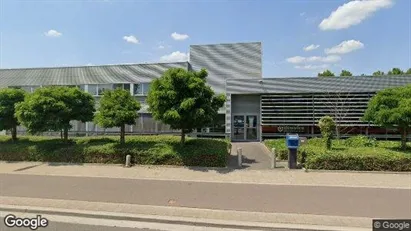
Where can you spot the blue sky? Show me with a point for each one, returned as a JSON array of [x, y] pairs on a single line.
[[361, 36]]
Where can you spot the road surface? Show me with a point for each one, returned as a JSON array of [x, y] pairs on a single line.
[[339, 201]]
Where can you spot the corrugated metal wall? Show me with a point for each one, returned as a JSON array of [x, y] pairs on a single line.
[[307, 109]]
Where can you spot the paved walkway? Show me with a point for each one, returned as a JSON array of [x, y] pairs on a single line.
[[222, 175], [255, 155]]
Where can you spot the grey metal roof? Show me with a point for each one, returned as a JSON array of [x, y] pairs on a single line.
[[222, 61], [120, 73], [315, 84]]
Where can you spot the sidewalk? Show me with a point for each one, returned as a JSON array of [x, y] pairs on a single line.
[[222, 175], [182, 216]]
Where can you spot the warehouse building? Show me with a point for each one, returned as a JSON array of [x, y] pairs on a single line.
[[256, 107]]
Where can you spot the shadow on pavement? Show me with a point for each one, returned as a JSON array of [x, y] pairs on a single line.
[[64, 164]]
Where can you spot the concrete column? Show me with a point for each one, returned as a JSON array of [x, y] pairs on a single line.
[[131, 89]]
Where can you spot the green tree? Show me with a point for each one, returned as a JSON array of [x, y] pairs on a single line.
[[345, 73], [395, 71], [117, 108], [9, 97], [183, 100], [326, 73], [391, 108], [408, 72], [378, 73], [52, 108], [327, 127]]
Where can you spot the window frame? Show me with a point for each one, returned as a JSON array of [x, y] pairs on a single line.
[[143, 85]]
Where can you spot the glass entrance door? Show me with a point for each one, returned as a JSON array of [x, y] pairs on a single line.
[[238, 122], [245, 127], [251, 127]]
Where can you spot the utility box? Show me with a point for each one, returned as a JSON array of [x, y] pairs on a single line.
[[292, 142]]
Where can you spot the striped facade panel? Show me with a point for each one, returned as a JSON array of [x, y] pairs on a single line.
[[346, 108], [224, 61], [315, 84], [122, 73]]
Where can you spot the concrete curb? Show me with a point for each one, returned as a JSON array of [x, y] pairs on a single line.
[[354, 171], [196, 220]]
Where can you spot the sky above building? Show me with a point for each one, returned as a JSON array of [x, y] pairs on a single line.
[[299, 37]]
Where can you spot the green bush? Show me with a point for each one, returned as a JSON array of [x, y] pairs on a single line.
[[356, 153], [359, 161], [153, 150], [360, 141], [281, 150]]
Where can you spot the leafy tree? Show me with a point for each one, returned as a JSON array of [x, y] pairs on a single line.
[[395, 71], [117, 108], [378, 73], [391, 108], [408, 71], [52, 108], [9, 97], [345, 73], [326, 73], [327, 127], [363, 74], [183, 100]]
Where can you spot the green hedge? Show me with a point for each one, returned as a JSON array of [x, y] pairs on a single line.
[[152, 150], [356, 153]]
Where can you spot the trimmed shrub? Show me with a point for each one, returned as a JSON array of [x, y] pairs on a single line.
[[280, 146], [360, 141], [153, 150], [356, 153]]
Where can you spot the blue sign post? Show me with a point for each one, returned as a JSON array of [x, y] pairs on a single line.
[[292, 142]]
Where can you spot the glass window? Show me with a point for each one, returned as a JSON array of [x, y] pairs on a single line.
[[104, 87], [82, 87], [118, 86], [92, 89], [127, 87], [138, 90], [146, 87]]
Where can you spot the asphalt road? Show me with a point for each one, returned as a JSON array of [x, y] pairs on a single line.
[[340, 201], [57, 226]]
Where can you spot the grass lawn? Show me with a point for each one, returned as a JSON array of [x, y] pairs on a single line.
[[356, 153], [146, 150]]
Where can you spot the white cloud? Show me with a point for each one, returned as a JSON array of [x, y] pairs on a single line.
[[161, 47], [296, 59], [53, 33], [311, 47], [312, 67], [345, 47], [180, 37], [176, 56], [89, 64], [302, 14], [352, 13], [313, 59], [131, 39]]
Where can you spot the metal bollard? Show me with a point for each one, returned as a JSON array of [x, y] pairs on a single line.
[[273, 159], [240, 157], [128, 161]]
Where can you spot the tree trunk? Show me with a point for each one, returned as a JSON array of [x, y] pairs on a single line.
[[14, 133], [65, 134], [122, 134], [404, 138], [183, 136], [61, 134]]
